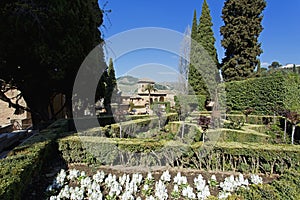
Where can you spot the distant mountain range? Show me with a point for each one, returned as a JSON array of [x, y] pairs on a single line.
[[128, 85]]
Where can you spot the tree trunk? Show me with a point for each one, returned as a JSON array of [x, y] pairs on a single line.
[[293, 132], [182, 130], [284, 134]]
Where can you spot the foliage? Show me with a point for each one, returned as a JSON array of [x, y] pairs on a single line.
[[203, 75], [26, 161], [285, 188], [242, 26], [265, 93], [237, 125], [42, 46], [225, 156]]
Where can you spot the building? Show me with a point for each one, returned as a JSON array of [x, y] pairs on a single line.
[[142, 98]]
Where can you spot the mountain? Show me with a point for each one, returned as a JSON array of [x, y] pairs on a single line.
[[128, 85]]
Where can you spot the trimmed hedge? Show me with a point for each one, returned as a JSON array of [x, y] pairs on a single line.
[[25, 161], [194, 101], [132, 126], [264, 93], [227, 156]]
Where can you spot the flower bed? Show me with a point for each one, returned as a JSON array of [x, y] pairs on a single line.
[[76, 184]]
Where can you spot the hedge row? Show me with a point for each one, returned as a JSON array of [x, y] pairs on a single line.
[[221, 135], [229, 156], [25, 161], [264, 94], [130, 128]]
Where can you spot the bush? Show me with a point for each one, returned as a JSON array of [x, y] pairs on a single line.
[[25, 161]]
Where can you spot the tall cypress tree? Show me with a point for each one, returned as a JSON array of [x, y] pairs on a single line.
[[195, 81], [205, 33], [203, 58], [242, 26], [110, 86]]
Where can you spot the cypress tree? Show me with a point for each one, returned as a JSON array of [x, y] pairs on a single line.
[[110, 86], [196, 83], [203, 57], [205, 33], [242, 26]]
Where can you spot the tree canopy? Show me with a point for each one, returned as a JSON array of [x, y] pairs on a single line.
[[242, 27], [203, 56], [42, 45]]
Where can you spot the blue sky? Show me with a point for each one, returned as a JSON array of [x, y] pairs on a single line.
[[280, 37]]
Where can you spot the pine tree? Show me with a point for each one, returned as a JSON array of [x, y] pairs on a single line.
[[242, 26]]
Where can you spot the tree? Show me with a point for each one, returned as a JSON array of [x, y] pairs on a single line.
[[184, 62], [203, 56], [274, 65], [205, 33], [110, 86], [149, 88], [242, 26], [195, 81], [42, 45]]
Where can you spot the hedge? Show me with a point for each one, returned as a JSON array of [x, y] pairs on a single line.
[[196, 102], [264, 94], [130, 128], [224, 156], [25, 161]]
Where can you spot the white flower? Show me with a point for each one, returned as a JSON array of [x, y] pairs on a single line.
[[255, 179], [160, 190], [213, 177], [203, 194], [199, 183], [149, 176], [99, 176], [176, 188], [127, 196], [166, 177], [73, 174], [188, 192], [85, 182], [82, 174], [60, 179], [122, 179], [223, 195], [180, 180]]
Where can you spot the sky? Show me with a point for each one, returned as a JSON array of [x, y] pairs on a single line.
[[280, 38]]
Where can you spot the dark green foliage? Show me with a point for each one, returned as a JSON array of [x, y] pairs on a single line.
[[263, 94], [205, 35], [26, 161], [237, 125], [242, 26], [203, 73], [42, 45], [274, 65], [225, 156]]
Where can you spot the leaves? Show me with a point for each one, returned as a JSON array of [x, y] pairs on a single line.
[[242, 19]]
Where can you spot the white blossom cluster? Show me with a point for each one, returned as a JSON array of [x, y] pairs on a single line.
[[76, 185]]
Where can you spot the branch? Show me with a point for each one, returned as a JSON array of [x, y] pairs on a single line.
[[4, 98]]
